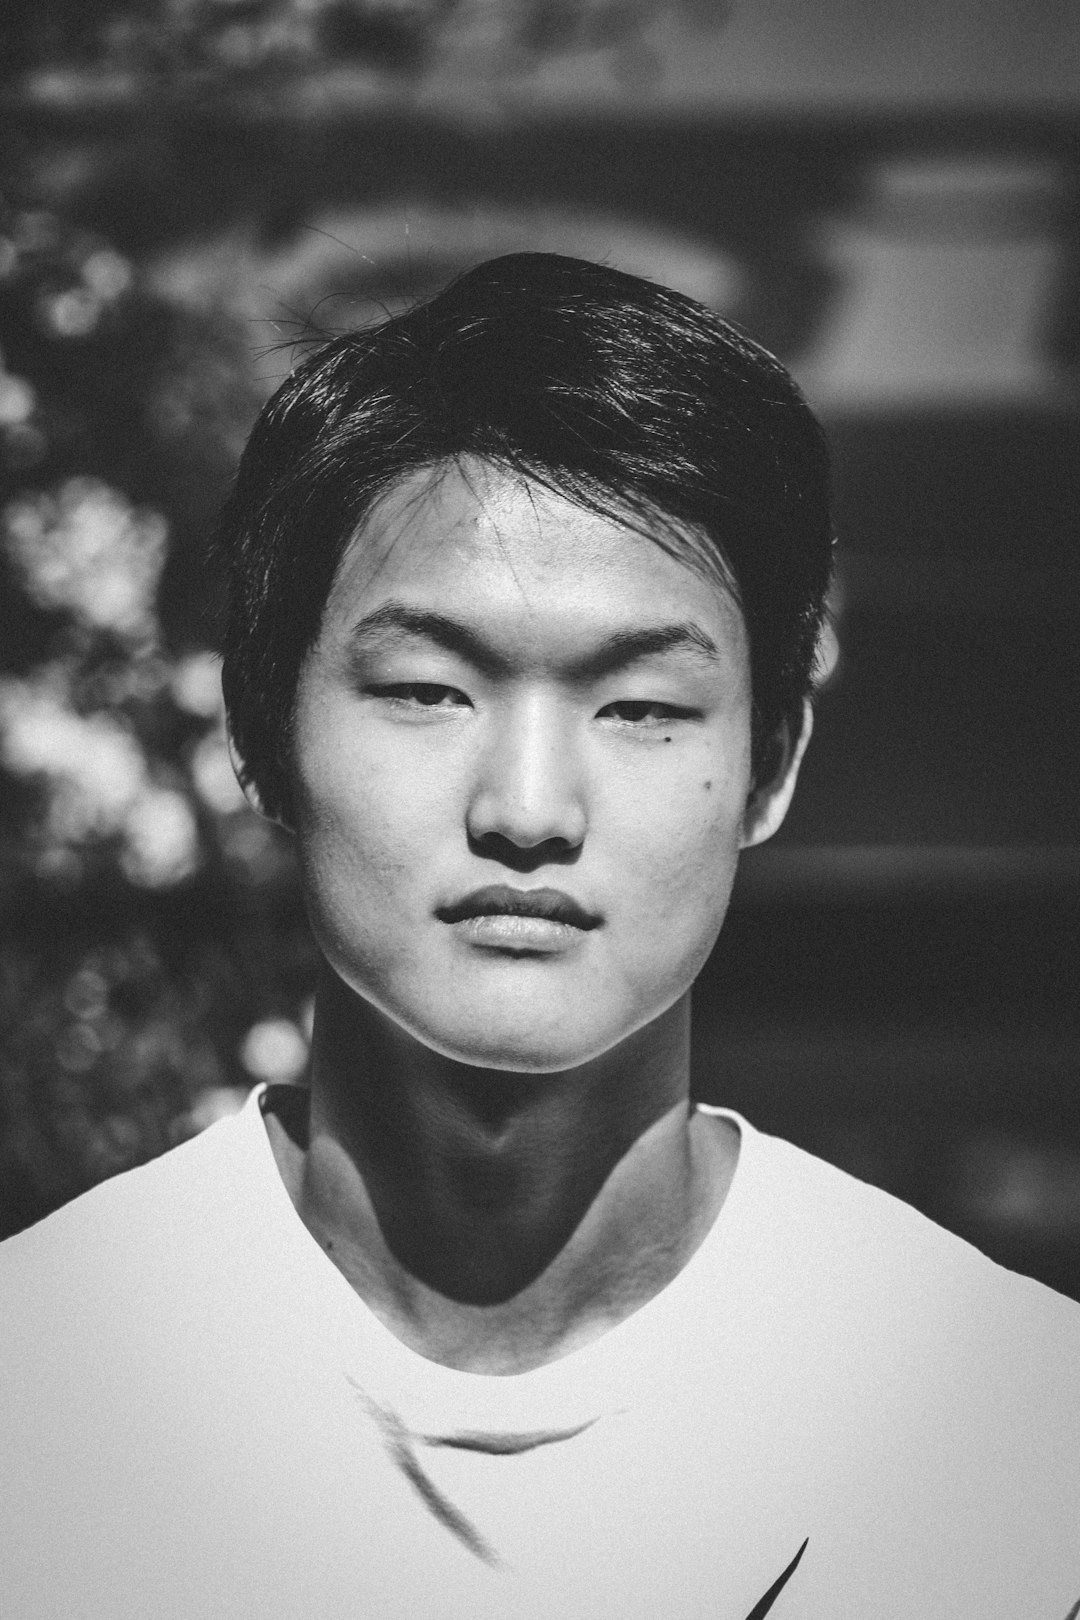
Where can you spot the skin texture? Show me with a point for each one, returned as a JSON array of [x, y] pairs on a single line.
[[501, 1157]]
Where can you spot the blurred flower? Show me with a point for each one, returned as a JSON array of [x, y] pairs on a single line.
[[99, 783], [274, 1050], [21, 444], [96, 768], [71, 313], [87, 993], [161, 839], [213, 775], [74, 312], [196, 684], [107, 274], [216, 1102], [16, 400], [88, 550]]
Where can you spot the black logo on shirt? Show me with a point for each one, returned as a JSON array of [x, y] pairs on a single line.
[[765, 1603]]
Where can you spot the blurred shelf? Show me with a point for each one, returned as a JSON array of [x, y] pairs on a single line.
[[890, 873]]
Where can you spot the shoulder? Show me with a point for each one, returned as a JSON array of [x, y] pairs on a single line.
[[169, 1182], [867, 1284], [121, 1257], [858, 1237], [925, 1397]]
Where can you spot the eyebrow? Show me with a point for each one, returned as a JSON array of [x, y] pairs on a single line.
[[615, 652]]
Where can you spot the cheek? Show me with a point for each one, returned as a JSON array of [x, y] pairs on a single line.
[[352, 794], [690, 882], [682, 860], [686, 830], [361, 843], [357, 877]]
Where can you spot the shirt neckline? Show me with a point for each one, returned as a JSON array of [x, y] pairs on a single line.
[[603, 1376]]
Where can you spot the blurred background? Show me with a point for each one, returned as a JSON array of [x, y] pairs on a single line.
[[886, 194]]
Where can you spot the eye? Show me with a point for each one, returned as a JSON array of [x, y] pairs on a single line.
[[644, 713], [418, 695]]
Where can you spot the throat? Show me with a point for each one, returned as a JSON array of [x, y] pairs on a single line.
[[485, 1276], [493, 1220]]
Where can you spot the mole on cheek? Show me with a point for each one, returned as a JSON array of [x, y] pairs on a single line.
[[708, 787]]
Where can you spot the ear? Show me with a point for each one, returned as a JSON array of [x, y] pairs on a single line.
[[768, 801], [249, 787]]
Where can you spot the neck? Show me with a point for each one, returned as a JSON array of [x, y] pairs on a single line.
[[494, 1220]]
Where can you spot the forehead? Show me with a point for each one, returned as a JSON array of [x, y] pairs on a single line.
[[506, 553]]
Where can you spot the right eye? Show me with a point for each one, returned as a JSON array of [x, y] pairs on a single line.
[[420, 695]]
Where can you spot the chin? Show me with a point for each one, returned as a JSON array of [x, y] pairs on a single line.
[[527, 1040], [509, 1032], [518, 1051]]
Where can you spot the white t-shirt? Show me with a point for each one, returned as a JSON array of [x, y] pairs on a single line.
[[200, 1418]]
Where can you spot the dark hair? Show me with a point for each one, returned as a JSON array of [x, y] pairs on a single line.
[[627, 398]]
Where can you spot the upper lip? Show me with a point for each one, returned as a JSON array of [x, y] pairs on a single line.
[[500, 900]]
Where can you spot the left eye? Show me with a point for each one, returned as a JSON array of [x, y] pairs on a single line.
[[640, 712], [421, 694]]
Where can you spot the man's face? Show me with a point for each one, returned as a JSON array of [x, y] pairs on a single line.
[[507, 695]]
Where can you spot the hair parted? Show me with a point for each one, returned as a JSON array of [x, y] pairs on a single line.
[[627, 398]]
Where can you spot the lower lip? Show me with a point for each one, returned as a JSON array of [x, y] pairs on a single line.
[[503, 932]]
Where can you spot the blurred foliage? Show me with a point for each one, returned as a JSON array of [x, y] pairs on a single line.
[[117, 46], [154, 959]]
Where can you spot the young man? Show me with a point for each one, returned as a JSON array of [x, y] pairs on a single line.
[[490, 1321]]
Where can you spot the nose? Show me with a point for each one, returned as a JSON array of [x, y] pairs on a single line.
[[528, 791]]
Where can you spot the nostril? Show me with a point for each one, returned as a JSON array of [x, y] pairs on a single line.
[[524, 857]]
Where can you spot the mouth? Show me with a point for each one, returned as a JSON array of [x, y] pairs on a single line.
[[529, 921], [502, 901]]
